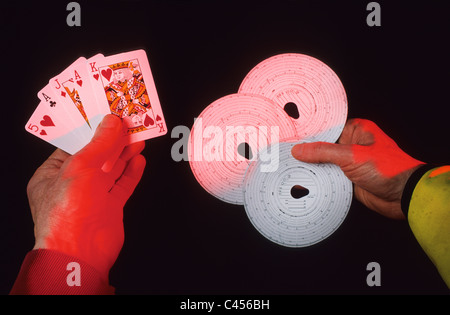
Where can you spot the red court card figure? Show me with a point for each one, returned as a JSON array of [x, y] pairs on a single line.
[[125, 83], [127, 95]]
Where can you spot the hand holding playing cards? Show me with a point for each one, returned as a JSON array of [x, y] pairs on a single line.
[[74, 101], [375, 164], [77, 207]]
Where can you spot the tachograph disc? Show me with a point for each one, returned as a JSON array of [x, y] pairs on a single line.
[[295, 204], [226, 127], [309, 90]]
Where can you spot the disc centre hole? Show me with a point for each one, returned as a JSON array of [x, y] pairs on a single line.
[[245, 150], [298, 192], [292, 110]]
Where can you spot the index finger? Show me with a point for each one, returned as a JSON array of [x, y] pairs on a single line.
[[358, 131]]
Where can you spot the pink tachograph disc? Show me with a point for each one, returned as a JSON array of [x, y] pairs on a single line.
[[299, 81], [227, 136]]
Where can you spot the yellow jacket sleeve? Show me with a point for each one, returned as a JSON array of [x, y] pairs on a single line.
[[427, 206]]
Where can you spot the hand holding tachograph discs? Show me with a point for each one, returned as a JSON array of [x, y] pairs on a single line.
[[291, 203]]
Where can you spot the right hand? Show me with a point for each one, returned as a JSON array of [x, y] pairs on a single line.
[[77, 207], [375, 164]]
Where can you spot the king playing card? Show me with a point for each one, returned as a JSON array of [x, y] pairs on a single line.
[[125, 83]]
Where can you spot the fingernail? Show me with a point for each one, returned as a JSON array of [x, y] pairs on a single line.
[[297, 150]]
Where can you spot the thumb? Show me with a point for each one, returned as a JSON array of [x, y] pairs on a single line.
[[104, 142], [323, 152]]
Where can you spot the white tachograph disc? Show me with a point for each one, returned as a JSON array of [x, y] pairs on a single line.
[[309, 85], [221, 129], [291, 220]]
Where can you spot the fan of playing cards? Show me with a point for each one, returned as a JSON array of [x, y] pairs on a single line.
[[75, 101]]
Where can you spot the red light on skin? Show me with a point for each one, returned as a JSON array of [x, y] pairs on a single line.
[[370, 159], [86, 220], [77, 206], [371, 145], [362, 145], [389, 163]]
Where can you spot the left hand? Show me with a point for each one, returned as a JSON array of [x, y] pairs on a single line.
[[375, 164]]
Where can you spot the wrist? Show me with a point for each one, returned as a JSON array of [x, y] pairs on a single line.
[[411, 183]]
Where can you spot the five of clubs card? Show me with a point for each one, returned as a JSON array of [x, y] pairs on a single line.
[[75, 101]]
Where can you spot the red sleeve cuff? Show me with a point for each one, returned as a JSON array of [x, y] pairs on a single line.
[[50, 272]]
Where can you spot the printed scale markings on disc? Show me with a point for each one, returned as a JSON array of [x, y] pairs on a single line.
[[308, 88], [213, 152], [299, 204]]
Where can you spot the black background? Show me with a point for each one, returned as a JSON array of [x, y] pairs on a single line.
[[178, 238]]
